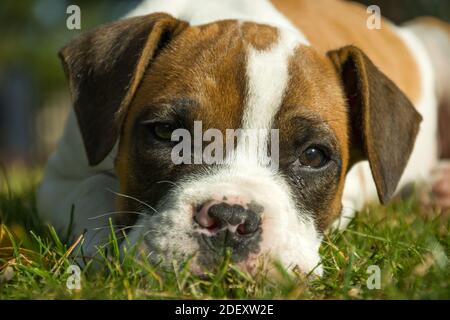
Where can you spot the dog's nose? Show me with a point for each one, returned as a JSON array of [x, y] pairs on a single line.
[[215, 216]]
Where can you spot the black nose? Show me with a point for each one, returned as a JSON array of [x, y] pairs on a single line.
[[234, 217], [231, 217], [230, 226]]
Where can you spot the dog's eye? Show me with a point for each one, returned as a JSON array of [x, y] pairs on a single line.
[[159, 130], [163, 131], [313, 157]]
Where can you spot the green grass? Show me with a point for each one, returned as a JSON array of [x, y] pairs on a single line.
[[409, 243]]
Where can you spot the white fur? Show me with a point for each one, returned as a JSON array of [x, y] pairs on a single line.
[[70, 181], [206, 11], [437, 44], [288, 236], [264, 94]]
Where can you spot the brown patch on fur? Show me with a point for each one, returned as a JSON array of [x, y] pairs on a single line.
[[367, 113], [204, 65], [330, 25], [261, 37], [323, 101], [444, 130], [207, 64]]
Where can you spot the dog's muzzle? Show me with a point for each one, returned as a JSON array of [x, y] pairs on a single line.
[[248, 218], [226, 225]]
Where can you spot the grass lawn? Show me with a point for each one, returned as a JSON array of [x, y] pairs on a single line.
[[410, 244]]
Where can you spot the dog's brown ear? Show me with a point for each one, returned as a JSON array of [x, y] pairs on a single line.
[[104, 68], [384, 123]]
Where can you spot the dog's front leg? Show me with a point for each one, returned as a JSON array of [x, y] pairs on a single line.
[[76, 196]]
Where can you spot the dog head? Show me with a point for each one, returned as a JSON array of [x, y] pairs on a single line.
[[136, 81]]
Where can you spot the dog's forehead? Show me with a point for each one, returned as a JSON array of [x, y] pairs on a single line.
[[242, 75]]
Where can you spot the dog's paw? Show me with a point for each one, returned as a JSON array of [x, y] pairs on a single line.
[[434, 196], [440, 186]]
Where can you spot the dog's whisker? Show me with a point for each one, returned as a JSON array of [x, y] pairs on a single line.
[[147, 233], [117, 212], [130, 227], [103, 227], [119, 238], [148, 255], [104, 245], [133, 198], [121, 227], [168, 181]]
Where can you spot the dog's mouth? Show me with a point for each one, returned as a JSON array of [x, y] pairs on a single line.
[[208, 251], [213, 248]]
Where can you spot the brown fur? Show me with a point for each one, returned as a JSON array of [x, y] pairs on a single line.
[[207, 65], [331, 24], [323, 101], [444, 130], [204, 66], [105, 67]]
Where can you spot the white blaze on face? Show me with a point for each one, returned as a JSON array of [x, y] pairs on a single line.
[[288, 232], [288, 235], [267, 79]]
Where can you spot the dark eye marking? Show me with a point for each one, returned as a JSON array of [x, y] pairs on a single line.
[[161, 119], [310, 145]]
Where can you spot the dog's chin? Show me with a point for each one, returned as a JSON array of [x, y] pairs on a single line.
[[255, 265]]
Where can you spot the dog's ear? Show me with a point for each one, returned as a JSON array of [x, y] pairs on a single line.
[[104, 68], [383, 122]]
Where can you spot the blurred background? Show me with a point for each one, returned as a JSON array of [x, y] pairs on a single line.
[[34, 96]]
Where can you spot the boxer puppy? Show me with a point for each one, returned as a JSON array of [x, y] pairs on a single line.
[[355, 111]]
